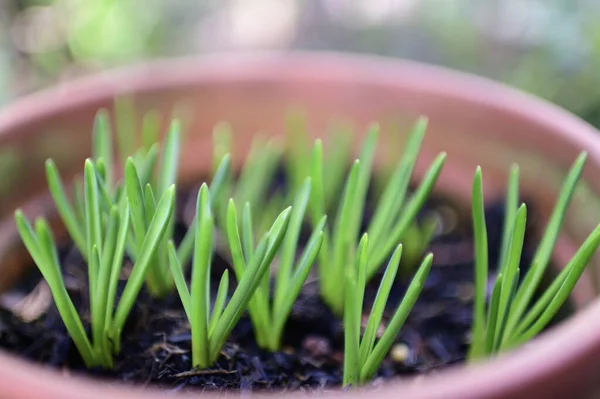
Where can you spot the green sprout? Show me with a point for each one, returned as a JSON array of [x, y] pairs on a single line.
[[362, 357], [512, 317], [394, 215], [218, 187], [141, 182], [254, 180], [269, 313], [210, 330], [297, 150], [104, 240]]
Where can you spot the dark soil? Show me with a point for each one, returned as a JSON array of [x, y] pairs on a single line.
[[156, 341]]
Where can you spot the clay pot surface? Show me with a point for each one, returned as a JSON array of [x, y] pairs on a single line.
[[475, 121]]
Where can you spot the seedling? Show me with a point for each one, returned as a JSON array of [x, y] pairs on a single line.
[[269, 313], [141, 183], [395, 217], [253, 183], [218, 189], [210, 330], [394, 213], [417, 236], [104, 241], [362, 357], [512, 317]]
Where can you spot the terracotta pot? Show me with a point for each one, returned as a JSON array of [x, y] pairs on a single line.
[[475, 121]]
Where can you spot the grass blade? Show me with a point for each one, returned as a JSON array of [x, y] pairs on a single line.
[[170, 158], [115, 270], [259, 305], [351, 331], [150, 129], [331, 287], [510, 211], [156, 230], [543, 302], [105, 198], [289, 246], [239, 300], [304, 265], [93, 226], [29, 238], [102, 144], [135, 196], [146, 165], [104, 267], [138, 209], [220, 189], [200, 279], [576, 267], [490, 333], [361, 263], [284, 307], [96, 315], [44, 253], [317, 198], [149, 202], [378, 307], [219, 301], [64, 209], [387, 340], [179, 279], [336, 164], [511, 267], [247, 233], [481, 267], [502, 316], [235, 243], [366, 158], [257, 173], [222, 134], [544, 252], [414, 205], [395, 191], [78, 202]]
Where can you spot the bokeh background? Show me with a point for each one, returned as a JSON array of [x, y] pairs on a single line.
[[548, 47]]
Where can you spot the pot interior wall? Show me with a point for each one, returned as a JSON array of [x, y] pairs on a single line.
[[254, 98]]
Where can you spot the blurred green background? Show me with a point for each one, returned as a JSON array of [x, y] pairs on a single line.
[[548, 47]]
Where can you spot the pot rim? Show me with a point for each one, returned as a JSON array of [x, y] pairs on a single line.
[[552, 355]]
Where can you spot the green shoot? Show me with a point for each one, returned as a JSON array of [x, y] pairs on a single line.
[[256, 176], [394, 217], [218, 189], [142, 208], [105, 240], [210, 330], [269, 315], [143, 181], [512, 317], [362, 357]]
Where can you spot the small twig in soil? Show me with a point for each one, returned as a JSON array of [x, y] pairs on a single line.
[[192, 373]]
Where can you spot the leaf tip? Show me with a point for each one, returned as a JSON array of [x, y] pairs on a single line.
[[50, 163], [422, 121]]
